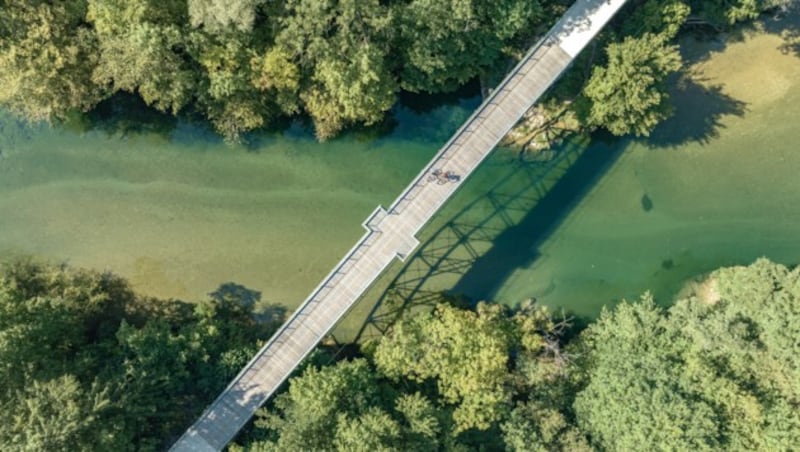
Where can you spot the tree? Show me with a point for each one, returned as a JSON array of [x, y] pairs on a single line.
[[350, 90], [466, 353], [420, 415], [635, 396], [445, 44], [346, 407], [342, 51], [142, 47], [47, 56], [318, 403], [49, 317], [232, 102], [85, 364], [54, 415], [534, 426], [628, 94], [719, 374], [374, 430], [702, 374], [277, 74], [659, 17], [220, 15], [154, 367], [730, 12]]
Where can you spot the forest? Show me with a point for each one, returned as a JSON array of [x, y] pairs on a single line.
[[86, 364], [245, 64]]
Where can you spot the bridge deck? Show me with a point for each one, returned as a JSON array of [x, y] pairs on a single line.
[[391, 232]]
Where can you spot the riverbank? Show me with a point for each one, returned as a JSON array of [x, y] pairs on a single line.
[[559, 116], [178, 213], [714, 185]]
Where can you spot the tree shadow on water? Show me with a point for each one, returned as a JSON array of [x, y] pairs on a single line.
[[785, 22], [125, 114], [421, 103], [698, 115], [791, 42], [236, 297], [231, 292]]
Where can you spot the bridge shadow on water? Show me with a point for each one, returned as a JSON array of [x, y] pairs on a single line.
[[475, 249]]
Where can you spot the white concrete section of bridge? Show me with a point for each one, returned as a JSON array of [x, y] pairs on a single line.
[[391, 233], [578, 28]]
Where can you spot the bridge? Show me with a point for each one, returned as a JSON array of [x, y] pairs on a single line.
[[391, 233]]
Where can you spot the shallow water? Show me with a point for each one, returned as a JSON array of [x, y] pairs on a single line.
[[715, 185], [179, 213], [690, 199]]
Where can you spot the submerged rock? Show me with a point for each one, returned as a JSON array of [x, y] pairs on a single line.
[[647, 203]]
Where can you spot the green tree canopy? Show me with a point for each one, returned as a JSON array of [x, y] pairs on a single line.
[[729, 12], [447, 43], [221, 15], [710, 374], [720, 375], [47, 55], [233, 103], [467, 353], [660, 17], [628, 94], [86, 364], [342, 51], [55, 414], [141, 50], [535, 426], [330, 406]]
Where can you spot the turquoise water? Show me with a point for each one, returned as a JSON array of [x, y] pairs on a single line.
[[600, 221], [716, 185], [178, 212]]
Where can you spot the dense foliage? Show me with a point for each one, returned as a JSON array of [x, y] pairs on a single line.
[[85, 364], [709, 373], [244, 63], [628, 95], [722, 376]]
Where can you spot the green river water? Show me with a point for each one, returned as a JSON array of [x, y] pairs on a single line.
[[178, 213]]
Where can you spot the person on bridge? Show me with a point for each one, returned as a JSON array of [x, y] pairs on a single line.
[[452, 177]]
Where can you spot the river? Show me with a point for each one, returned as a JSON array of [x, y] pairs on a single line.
[[178, 212]]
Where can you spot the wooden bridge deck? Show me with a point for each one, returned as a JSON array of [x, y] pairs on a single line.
[[391, 232]]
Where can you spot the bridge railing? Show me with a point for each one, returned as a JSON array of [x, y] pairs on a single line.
[[355, 253], [440, 156], [326, 285]]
